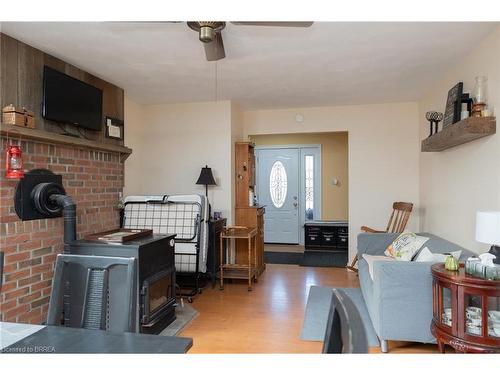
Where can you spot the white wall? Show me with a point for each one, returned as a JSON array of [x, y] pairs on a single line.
[[236, 136], [383, 154], [455, 183], [171, 143]]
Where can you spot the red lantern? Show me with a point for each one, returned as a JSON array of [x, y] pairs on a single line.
[[14, 162]]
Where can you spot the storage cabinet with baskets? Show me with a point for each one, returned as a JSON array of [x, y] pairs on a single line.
[[326, 235]]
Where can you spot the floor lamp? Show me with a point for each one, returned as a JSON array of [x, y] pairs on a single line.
[[206, 178]]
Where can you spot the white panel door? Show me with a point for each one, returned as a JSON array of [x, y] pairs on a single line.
[[278, 190]]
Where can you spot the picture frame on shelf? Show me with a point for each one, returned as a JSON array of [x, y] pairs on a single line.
[[114, 128], [453, 105]]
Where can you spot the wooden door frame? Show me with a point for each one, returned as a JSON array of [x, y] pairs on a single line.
[[301, 174]]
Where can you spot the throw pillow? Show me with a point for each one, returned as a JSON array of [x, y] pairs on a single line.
[[405, 246], [372, 258], [425, 255]]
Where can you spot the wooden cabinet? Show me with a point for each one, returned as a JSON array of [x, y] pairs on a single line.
[[466, 311], [246, 215], [245, 172]]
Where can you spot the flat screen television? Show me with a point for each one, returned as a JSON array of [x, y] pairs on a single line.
[[69, 100]]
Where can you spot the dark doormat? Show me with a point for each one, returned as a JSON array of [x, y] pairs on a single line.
[[279, 257], [324, 259]]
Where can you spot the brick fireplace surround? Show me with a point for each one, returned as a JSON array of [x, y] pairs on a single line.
[[94, 179]]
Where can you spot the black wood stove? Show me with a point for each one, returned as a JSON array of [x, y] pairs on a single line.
[[155, 286], [41, 195]]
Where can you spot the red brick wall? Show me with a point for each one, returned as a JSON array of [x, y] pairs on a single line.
[[94, 180]]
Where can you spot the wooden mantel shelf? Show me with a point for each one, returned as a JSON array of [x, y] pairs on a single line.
[[459, 133], [44, 136]]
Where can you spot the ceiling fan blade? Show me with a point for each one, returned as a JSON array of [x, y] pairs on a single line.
[[215, 49], [143, 22], [278, 23]]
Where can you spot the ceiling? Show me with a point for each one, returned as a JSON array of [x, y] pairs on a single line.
[[329, 63]]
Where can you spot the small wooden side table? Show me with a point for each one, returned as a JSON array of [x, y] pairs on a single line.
[[466, 311], [239, 271]]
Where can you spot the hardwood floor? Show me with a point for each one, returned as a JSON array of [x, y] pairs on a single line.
[[268, 319]]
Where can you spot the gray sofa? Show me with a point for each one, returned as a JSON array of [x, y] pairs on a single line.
[[399, 298]]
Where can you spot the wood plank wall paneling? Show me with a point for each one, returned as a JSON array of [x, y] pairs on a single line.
[[22, 85], [9, 70]]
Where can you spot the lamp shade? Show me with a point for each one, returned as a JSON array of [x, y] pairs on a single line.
[[206, 177], [488, 227]]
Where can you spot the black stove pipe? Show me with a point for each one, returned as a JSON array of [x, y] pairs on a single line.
[[49, 198], [69, 214]]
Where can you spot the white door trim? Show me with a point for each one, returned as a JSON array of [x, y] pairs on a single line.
[[274, 147], [316, 150]]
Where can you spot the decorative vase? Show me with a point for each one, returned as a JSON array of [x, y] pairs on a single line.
[[451, 263]]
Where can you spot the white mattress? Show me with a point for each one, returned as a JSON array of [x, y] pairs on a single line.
[[174, 217]]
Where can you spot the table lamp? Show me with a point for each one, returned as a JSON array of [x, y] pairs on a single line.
[[488, 231], [206, 178]]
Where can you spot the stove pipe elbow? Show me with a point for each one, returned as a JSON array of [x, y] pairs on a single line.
[[69, 214]]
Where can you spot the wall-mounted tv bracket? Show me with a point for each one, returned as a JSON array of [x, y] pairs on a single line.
[[40, 195]]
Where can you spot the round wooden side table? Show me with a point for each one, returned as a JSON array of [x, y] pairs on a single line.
[[466, 311]]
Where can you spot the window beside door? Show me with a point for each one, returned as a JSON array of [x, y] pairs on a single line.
[[309, 187]]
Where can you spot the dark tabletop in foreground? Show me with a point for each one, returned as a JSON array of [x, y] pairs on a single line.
[[53, 339]]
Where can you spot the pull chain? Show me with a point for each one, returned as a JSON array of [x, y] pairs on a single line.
[[216, 81], [216, 70]]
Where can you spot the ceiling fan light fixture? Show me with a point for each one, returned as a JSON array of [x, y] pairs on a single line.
[[207, 30], [207, 34]]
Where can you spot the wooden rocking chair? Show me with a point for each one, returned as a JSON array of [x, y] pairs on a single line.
[[401, 212]]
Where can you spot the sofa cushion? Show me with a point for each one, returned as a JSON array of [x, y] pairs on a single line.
[[405, 246], [425, 255]]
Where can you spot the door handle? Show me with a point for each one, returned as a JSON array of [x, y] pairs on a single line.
[[295, 204]]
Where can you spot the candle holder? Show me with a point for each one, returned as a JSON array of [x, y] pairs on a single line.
[[477, 109], [434, 118], [479, 96]]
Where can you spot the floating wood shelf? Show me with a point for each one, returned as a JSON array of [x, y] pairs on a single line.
[[49, 137], [459, 133]]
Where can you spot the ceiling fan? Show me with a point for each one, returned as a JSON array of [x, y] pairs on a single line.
[[209, 33]]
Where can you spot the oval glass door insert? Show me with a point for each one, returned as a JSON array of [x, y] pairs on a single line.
[[278, 184]]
